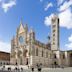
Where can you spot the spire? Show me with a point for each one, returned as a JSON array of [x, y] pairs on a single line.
[[21, 27], [25, 26], [31, 30], [32, 34], [21, 22]]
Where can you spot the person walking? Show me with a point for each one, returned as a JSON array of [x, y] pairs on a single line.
[[39, 67], [32, 69]]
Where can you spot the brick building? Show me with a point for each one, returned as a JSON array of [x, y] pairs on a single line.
[[4, 58]]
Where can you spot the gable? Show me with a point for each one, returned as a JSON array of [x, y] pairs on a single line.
[[21, 29]]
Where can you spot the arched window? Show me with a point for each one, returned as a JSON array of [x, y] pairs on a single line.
[[46, 54], [55, 63], [33, 51], [55, 56], [42, 53], [36, 51], [63, 56]]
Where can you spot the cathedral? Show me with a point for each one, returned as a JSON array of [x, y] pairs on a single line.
[[26, 50]]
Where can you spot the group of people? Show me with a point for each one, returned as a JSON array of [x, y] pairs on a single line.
[[39, 68]]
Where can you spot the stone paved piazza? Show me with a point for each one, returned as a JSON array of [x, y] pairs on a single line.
[[69, 69]]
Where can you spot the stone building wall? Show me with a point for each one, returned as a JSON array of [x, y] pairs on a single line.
[[32, 52]]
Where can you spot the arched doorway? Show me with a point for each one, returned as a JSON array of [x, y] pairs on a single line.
[[25, 54], [26, 61], [71, 59], [55, 64]]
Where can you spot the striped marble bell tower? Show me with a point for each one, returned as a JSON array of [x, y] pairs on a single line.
[[54, 32]]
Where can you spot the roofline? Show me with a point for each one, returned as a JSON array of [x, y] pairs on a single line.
[[4, 52]]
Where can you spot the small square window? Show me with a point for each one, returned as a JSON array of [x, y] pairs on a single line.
[[54, 30], [54, 26], [53, 34]]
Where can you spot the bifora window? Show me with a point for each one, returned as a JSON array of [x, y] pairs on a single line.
[[54, 30], [53, 34], [63, 56], [42, 53], [36, 51], [33, 51], [55, 56], [54, 26], [46, 54]]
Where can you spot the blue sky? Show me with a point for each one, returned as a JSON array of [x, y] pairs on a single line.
[[37, 14]]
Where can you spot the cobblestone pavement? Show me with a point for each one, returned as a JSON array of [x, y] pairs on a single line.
[[45, 70]]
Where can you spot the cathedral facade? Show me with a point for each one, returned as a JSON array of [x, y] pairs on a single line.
[[27, 50]]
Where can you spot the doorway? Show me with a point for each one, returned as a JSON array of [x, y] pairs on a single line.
[[55, 64], [27, 61]]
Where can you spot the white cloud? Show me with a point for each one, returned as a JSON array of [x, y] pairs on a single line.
[[47, 20], [69, 45], [47, 6], [4, 46], [66, 19], [65, 5], [70, 38], [0, 0], [6, 6], [60, 2], [65, 16], [41, 0]]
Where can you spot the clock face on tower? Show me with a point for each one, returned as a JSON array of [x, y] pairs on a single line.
[[21, 40]]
